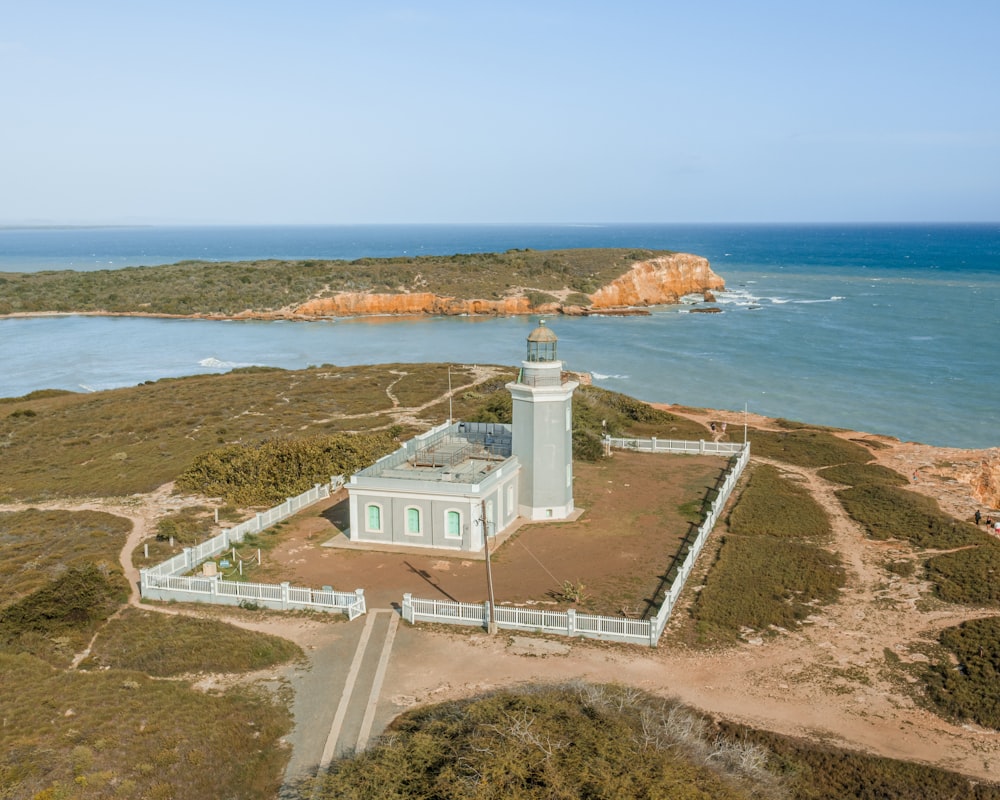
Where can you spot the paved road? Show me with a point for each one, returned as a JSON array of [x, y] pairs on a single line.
[[336, 695]]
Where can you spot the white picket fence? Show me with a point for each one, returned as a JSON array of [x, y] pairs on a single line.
[[654, 445], [165, 581], [574, 623]]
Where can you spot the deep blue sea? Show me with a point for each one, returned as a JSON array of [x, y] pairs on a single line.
[[885, 328]]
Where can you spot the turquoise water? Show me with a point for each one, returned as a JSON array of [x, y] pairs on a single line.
[[890, 329]]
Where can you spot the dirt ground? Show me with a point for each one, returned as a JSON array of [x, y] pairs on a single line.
[[617, 550]]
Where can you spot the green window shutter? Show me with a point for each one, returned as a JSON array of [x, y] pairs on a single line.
[[454, 523], [374, 518]]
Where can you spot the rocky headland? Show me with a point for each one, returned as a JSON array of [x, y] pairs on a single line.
[[655, 281]]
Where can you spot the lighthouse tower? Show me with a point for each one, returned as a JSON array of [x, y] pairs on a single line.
[[543, 430]]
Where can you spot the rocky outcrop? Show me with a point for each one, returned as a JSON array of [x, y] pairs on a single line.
[[985, 481], [353, 304], [658, 281]]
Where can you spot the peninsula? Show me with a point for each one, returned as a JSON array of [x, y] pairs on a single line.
[[574, 282]]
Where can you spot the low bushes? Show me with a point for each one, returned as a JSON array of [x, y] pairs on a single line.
[[775, 506], [548, 742], [271, 471], [771, 569], [970, 688], [807, 447], [889, 512], [764, 581], [814, 771], [114, 733], [55, 620], [855, 474], [970, 576], [165, 645]]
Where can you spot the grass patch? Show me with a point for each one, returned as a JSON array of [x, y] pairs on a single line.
[[863, 474], [970, 576], [55, 621], [807, 447], [966, 683], [133, 440], [165, 645], [775, 506], [770, 571], [37, 547], [889, 512], [113, 733], [764, 581], [547, 742]]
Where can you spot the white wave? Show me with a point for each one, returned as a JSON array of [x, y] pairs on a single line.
[[833, 299], [600, 376], [215, 363]]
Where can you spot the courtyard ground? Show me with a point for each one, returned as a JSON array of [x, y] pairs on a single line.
[[637, 511]]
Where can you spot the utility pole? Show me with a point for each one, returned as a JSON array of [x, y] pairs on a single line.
[[491, 625]]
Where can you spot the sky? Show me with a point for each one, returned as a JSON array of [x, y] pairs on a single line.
[[374, 111]]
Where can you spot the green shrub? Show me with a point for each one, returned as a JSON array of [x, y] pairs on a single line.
[[764, 581], [58, 618], [775, 506], [889, 512], [970, 576], [969, 689], [815, 771], [271, 471], [166, 645], [551, 742], [807, 447], [859, 474]]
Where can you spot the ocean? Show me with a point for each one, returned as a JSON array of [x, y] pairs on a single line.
[[884, 328]]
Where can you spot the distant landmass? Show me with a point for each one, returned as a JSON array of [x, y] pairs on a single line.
[[577, 282]]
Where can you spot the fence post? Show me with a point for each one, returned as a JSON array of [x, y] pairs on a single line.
[[360, 593], [486, 616], [213, 585], [701, 446], [188, 559], [143, 580], [653, 441], [260, 522], [284, 594], [571, 621], [408, 607]]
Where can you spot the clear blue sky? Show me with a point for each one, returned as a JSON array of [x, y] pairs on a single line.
[[427, 111]]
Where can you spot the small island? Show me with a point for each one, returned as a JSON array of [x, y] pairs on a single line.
[[571, 282]]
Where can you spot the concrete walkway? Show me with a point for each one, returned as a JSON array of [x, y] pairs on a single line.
[[337, 694]]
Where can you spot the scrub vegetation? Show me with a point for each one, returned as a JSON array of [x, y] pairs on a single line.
[[594, 741], [224, 288], [772, 570]]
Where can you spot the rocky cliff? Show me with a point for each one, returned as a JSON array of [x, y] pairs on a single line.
[[664, 279], [659, 280], [985, 480]]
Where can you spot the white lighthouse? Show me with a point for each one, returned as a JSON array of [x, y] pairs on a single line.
[[543, 430]]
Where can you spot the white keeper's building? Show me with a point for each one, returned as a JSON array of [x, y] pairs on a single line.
[[432, 491]]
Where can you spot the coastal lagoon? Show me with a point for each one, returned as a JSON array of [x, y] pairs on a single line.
[[888, 329]]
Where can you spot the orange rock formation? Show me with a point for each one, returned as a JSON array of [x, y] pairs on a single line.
[[659, 280]]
